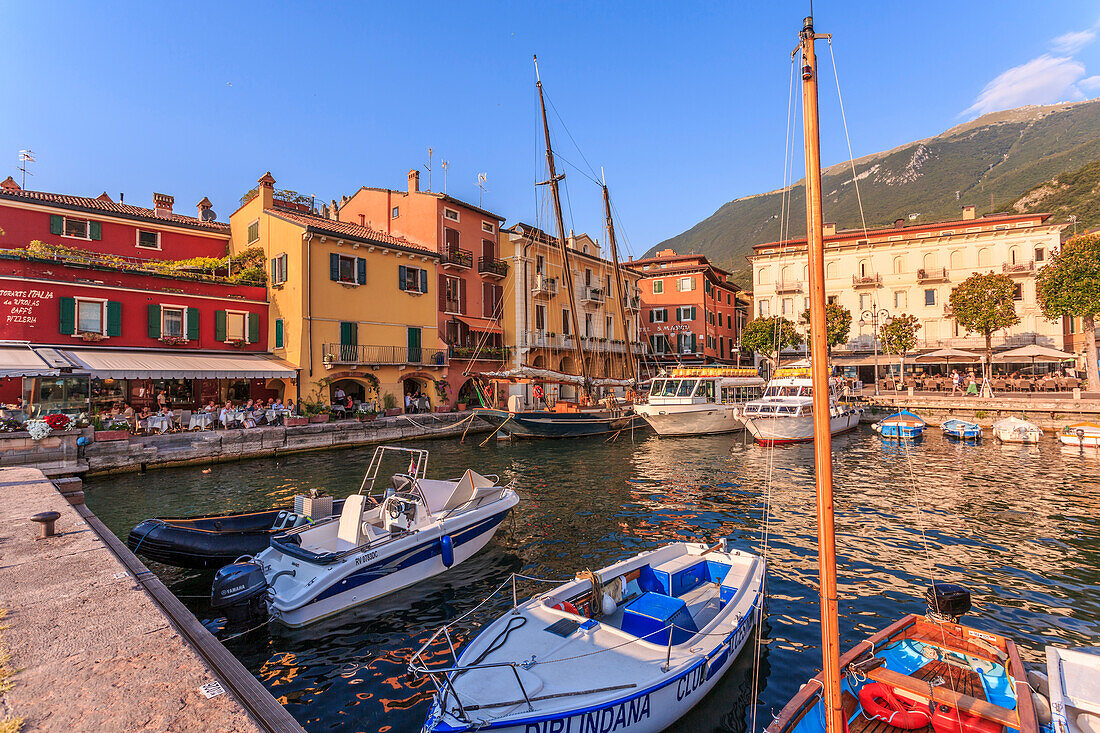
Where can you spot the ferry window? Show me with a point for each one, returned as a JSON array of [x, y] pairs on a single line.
[[686, 388], [670, 387], [806, 392], [708, 386], [656, 387]]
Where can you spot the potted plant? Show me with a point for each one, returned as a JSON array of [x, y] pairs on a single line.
[[115, 428], [367, 412], [389, 403]]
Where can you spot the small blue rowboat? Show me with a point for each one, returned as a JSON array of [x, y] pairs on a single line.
[[903, 424], [962, 430]]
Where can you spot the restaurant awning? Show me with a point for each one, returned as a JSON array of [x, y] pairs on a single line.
[[117, 364], [22, 361], [482, 325], [853, 360]]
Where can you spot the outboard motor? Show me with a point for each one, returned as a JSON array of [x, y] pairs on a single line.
[[240, 591], [947, 602]]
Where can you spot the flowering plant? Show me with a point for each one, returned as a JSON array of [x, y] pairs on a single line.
[[58, 421], [10, 425], [38, 429], [173, 340]]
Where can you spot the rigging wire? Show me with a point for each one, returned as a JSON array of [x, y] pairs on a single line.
[[851, 158]]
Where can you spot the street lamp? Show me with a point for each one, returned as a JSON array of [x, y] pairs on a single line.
[[873, 317]]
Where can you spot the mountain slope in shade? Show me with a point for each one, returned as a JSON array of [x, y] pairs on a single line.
[[1075, 193], [987, 162]]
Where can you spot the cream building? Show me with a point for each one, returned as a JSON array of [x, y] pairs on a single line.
[[912, 270]]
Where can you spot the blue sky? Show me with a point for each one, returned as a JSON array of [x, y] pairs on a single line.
[[683, 104]]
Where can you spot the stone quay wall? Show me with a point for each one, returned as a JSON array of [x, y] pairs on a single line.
[[1049, 414]]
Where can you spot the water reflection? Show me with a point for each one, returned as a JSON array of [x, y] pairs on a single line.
[[1017, 524]]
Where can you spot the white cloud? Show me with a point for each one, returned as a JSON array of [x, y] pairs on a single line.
[[1072, 42], [1043, 80], [1090, 83]]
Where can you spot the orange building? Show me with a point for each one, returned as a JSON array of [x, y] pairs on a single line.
[[471, 272], [691, 312]]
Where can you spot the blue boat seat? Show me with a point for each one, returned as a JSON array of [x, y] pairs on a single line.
[[650, 615]]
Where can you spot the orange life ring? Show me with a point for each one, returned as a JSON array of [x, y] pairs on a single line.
[[878, 701], [567, 607]]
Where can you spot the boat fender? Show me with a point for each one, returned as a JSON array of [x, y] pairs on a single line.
[[616, 588], [567, 607], [1042, 708], [447, 548], [878, 701], [608, 604], [1038, 681]]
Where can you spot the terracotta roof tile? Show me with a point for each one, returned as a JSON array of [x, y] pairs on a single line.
[[104, 204], [346, 229]]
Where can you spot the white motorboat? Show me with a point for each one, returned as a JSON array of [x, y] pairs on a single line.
[[1082, 434], [379, 543], [1015, 430], [785, 413], [631, 647], [1074, 689], [700, 400]]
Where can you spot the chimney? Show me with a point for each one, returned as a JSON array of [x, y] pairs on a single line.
[[204, 206], [334, 211], [162, 204], [9, 184], [414, 181], [968, 212], [362, 220], [667, 253], [267, 190], [829, 229], [899, 223]]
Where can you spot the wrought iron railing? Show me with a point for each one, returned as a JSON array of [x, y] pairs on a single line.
[[492, 266], [460, 257], [480, 353], [370, 354]]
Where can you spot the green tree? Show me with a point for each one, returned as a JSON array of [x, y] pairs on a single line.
[[1069, 285], [899, 336], [838, 323], [769, 336], [983, 303]]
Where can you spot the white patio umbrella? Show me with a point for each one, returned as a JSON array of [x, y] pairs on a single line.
[[1035, 352], [946, 355]]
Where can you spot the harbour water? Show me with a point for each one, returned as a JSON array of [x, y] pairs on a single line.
[[1018, 525]]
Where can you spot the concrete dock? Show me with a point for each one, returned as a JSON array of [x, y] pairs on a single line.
[[91, 646]]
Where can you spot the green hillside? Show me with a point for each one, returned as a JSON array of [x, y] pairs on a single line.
[[999, 156]]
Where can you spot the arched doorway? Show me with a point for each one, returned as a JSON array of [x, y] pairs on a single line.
[[467, 394], [417, 394], [568, 366], [539, 362], [341, 389]]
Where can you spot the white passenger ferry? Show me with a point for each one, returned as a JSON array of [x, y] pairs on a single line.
[[700, 400], [785, 413]]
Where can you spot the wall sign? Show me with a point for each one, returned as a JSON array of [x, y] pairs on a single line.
[[22, 306]]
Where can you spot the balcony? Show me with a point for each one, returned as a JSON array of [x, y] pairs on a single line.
[[365, 355], [633, 304], [485, 353], [455, 259], [1019, 268], [933, 275], [867, 281], [948, 312], [544, 287], [788, 286], [492, 267], [592, 296], [608, 346], [547, 340]]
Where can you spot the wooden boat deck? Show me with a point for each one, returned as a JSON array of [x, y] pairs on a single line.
[[963, 681]]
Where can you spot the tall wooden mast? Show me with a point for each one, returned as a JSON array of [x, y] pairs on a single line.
[[819, 372], [620, 289], [567, 270]]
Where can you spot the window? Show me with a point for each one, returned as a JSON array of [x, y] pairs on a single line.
[[686, 283], [587, 277], [565, 321], [395, 212], [1039, 254], [864, 301], [900, 299], [607, 284], [347, 270], [488, 249], [786, 306], [487, 227], [492, 299], [452, 295], [278, 269], [89, 316], [805, 304], [148, 240], [1018, 292], [540, 318], [609, 327], [412, 279], [450, 214], [588, 325], [254, 232], [729, 321], [956, 259], [832, 299], [171, 322], [685, 313], [983, 257], [77, 228], [899, 265], [764, 308], [930, 297], [763, 275], [658, 315], [235, 326], [645, 268], [830, 270], [540, 264], [658, 286]]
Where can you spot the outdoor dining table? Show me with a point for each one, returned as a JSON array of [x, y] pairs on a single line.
[[275, 413], [233, 416], [202, 420], [160, 423]]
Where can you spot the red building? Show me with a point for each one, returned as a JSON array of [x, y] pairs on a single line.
[[86, 322], [691, 312]]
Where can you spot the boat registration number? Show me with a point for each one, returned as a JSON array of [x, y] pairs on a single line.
[[366, 557]]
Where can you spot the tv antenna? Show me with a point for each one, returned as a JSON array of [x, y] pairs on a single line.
[[428, 167], [480, 186], [25, 156], [445, 165]]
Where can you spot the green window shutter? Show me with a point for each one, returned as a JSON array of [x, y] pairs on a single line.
[[348, 333], [95, 230], [274, 277], [67, 322], [114, 318], [401, 273], [154, 321], [423, 281], [361, 270], [278, 333], [219, 325], [677, 314], [651, 315], [192, 324], [253, 328], [334, 267], [57, 224], [693, 343], [693, 313]]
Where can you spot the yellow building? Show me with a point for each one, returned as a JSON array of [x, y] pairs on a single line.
[[351, 307], [537, 321]]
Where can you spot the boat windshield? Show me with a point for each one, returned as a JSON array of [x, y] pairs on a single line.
[[665, 387], [781, 391], [687, 386]]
